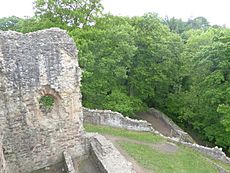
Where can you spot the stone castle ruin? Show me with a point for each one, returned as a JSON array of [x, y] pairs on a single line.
[[40, 107]]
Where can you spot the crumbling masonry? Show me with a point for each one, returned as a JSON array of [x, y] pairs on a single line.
[[31, 66]]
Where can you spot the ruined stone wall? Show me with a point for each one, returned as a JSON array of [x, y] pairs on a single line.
[[31, 66], [215, 152], [114, 119]]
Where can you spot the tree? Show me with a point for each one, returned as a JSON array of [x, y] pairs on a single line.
[[198, 23], [9, 23], [106, 52], [179, 26], [175, 25], [36, 23], [154, 69], [70, 12], [203, 105]]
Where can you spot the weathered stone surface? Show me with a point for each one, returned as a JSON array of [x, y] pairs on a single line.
[[108, 158], [31, 66], [2, 159], [114, 119], [2, 121]]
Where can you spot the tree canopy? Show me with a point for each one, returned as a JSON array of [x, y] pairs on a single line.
[[132, 63]]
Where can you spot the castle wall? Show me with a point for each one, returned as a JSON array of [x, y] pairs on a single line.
[[33, 65]]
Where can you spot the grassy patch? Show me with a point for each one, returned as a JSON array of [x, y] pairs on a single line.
[[139, 136], [183, 161], [224, 165]]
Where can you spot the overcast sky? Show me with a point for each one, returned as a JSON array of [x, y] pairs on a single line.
[[216, 11]]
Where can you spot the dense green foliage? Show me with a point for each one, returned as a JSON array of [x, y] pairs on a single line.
[[129, 64], [203, 101], [78, 13], [9, 23], [179, 26]]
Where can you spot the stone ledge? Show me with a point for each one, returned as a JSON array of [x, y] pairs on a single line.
[[107, 157]]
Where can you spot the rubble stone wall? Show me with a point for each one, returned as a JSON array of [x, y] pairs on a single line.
[[215, 152], [33, 65], [114, 119]]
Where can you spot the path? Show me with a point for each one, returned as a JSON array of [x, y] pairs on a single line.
[[165, 147], [157, 123]]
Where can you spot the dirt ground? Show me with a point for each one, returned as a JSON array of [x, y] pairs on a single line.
[[157, 123], [164, 147]]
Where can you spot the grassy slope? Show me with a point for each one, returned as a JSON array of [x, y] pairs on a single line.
[[180, 162], [185, 160]]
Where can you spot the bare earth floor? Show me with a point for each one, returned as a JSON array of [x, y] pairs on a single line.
[[157, 123]]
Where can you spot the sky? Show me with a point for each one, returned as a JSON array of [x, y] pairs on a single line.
[[216, 11]]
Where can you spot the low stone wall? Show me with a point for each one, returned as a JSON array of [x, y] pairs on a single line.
[[114, 119], [176, 131], [68, 162], [107, 157], [215, 153]]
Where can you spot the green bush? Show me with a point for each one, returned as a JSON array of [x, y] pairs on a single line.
[[46, 102]]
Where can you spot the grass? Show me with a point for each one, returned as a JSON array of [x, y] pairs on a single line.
[[224, 165], [138, 136], [183, 161]]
